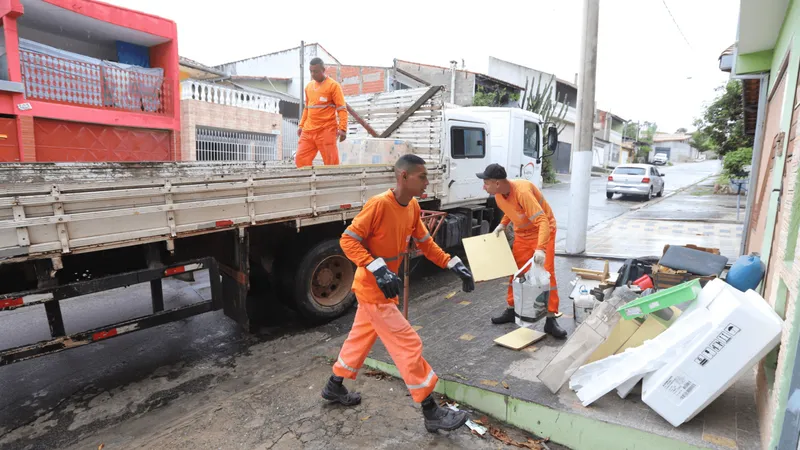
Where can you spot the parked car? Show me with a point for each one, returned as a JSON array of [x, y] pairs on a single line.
[[660, 159], [635, 179]]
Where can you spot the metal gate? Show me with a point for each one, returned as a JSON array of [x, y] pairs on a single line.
[[289, 133], [215, 144]]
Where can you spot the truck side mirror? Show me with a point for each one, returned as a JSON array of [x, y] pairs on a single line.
[[552, 140]]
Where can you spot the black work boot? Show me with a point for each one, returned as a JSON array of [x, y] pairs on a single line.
[[335, 391], [552, 328], [506, 317], [438, 418]]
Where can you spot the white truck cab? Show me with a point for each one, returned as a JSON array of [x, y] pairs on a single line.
[[478, 136]]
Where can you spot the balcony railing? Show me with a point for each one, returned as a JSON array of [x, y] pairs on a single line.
[[60, 80], [213, 93]]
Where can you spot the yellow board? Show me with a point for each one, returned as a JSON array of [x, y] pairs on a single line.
[[652, 327], [490, 257], [519, 338], [618, 337]]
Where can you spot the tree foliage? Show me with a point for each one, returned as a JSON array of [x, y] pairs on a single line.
[[643, 133], [547, 105], [498, 97], [721, 128], [552, 110], [734, 162]]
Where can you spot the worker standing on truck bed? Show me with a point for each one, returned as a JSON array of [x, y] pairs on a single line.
[[524, 205], [376, 242], [324, 119]]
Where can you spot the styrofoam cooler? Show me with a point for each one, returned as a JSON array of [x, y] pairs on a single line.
[[530, 294], [743, 330]]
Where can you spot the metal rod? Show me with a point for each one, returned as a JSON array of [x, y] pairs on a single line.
[[406, 281], [738, 200]]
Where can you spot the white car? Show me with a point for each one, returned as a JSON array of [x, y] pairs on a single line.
[[635, 179], [660, 159]]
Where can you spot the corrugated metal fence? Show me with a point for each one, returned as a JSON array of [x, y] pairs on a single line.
[[225, 145], [289, 138]]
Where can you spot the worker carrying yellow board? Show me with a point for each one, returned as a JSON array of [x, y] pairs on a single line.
[[324, 119], [523, 204], [376, 242]]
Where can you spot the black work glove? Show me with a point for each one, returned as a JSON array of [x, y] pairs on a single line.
[[388, 281], [468, 283]]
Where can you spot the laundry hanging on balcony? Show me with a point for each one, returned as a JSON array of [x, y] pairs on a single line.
[[58, 75], [132, 87]]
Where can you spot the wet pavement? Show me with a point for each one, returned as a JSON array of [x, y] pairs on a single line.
[[602, 209], [692, 216], [200, 383]]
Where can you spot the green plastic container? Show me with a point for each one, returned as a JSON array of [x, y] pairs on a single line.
[[662, 299]]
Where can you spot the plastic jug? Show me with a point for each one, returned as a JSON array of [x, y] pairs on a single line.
[[746, 273], [584, 304]]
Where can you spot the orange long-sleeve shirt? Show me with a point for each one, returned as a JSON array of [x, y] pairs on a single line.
[[324, 101], [383, 229], [526, 208]]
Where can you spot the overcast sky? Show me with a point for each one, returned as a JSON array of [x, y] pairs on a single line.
[[646, 69]]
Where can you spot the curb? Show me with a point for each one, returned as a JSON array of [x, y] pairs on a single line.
[[572, 430]]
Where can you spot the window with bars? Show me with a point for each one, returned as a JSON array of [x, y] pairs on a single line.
[[214, 144]]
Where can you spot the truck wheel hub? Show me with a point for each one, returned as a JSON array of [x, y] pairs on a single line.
[[332, 280]]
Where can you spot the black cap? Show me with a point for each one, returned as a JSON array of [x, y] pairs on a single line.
[[493, 172]]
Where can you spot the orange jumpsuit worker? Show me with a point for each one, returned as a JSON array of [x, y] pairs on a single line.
[[324, 119], [375, 242], [524, 205]]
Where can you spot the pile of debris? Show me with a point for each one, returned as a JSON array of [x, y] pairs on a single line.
[[675, 326]]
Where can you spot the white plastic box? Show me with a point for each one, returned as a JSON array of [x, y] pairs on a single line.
[[743, 330]]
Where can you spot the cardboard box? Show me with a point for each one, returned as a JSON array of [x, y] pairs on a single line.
[[632, 333], [371, 151], [652, 327], [585, 340], [618, 337], [743, 330]]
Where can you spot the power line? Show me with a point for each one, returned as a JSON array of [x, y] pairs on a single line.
[[676, 24]]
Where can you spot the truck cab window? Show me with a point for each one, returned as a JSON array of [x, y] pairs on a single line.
[[530, 144], [467, 143]]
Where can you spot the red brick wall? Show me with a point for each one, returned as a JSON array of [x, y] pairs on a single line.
[[26, 137], [58, 140], [356, 80]]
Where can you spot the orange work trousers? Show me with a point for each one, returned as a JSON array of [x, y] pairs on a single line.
[[385, 321], [321, 140], [523, 250]]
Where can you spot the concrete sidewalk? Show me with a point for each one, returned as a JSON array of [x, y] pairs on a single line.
[[458, 339]]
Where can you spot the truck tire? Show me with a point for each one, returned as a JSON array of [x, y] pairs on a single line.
[[323, 281]]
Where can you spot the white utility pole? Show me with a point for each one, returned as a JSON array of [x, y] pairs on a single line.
[[302, 77], [581, 178]]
